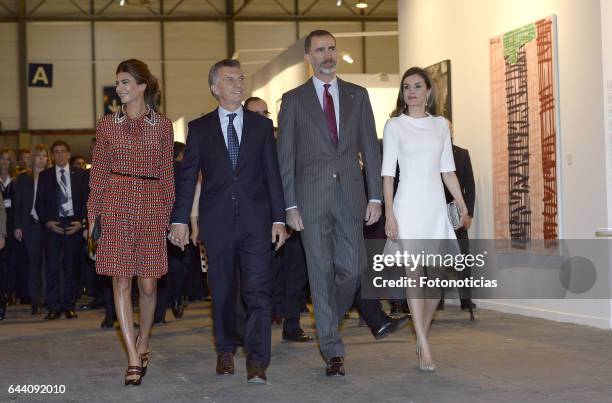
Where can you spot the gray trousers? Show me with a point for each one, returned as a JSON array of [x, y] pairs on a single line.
[[335, 255]]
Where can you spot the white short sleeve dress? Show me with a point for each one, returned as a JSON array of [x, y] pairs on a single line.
[[423, 149]]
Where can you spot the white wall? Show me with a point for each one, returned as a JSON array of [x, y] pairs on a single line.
[[433, 30], [69, 103], [9, 79]]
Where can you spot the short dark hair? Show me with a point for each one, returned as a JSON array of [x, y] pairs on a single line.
[[312, 34], [251, 99], [178, 148], [59, 143], [76, 157], [214, 70], [140, 71]]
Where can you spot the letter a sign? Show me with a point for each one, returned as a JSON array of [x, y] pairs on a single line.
[[40, 75]]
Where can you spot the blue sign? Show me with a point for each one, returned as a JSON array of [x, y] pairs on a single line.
[[40, 75]]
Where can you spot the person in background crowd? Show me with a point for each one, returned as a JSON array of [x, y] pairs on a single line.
[[61, 197], [132, 191], [289, 277], [171, 286], [28, 227], [24, 160], [78, 161], [8, 256], [2, 244]]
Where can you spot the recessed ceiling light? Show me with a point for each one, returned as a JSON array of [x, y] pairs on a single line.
[[339, 3], [347, 58], [361, 4]]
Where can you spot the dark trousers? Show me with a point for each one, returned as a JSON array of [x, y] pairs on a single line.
[[289, 279], [254, 254], [171, 286], [371, 311], [9, 266], [62, 252], [32, 240]]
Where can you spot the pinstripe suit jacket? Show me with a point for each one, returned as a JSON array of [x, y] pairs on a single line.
[[311, 165]]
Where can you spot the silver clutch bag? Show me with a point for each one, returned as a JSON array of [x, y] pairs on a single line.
[[454, 214]]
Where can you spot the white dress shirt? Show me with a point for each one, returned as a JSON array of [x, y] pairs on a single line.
[[237, 122], [67, 190], [33, 212], [334, 92]]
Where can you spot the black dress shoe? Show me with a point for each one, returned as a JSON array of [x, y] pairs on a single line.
[[297, 336], [178, 309], [396, 308], [2, 311], [53, 315], [70, 314], [465, 303], [440, 305], [159, 319], [393, 325], [107, 322], [256, 374], [335, 367], [36, 310], [225, 364]]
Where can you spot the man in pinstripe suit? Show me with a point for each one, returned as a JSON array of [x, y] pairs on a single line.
[[323, 125]]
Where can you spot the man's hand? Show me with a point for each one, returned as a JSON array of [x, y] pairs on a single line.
[[179, 235], [18, 234], [54, 226], [74, 227], [294, 219], [279, 233], [373, 213], [2, 242]]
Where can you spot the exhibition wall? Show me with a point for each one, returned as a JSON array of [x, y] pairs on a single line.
[[434, 30]]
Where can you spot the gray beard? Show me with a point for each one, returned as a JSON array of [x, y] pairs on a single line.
[[327, 70]]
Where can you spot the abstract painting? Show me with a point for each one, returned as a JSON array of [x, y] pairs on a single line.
[[440, 74], [525, 138]]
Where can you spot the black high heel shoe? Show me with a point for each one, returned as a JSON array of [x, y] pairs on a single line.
[[133, 370], [144, 358]]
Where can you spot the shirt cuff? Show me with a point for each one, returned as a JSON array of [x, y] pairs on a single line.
[[179, 223], [278, 222], [289, 208], [375, 201]]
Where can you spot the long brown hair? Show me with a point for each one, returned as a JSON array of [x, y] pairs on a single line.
[[140, 71], [400, 105], [12, 161]]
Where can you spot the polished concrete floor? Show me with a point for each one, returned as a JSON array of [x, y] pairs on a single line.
[[497, 358]]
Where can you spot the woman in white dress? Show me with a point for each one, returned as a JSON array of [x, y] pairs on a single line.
[[421, 144]]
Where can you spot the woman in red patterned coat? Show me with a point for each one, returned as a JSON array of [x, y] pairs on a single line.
[[132, 192]]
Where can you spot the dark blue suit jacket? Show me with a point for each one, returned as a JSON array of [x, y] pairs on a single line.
[[46, 194], [254, 188]]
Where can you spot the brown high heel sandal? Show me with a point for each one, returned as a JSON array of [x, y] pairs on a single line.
[[144, 358], [133, 370]]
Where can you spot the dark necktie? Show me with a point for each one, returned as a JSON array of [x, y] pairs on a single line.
[[330, 114], [232, 140], [63, 194]]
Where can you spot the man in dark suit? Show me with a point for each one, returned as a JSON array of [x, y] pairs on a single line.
[[288, 275], [465, 175], [241, 210], [61, 201], [323, 125]]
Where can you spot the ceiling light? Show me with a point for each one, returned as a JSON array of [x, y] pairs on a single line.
[[122, 3], [361, 4], [339, 3], [347, 58]]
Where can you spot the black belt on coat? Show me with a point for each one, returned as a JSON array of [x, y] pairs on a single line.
[[144, 177]]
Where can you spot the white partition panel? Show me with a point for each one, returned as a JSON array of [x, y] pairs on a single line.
[[118, 41], [191, 48], [9, 77], [68, 103]]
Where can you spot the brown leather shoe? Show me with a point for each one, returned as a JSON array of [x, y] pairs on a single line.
[[225, 364], [335, 367], [255, 373]]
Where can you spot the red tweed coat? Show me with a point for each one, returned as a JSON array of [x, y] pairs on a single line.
[[134, 211]]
